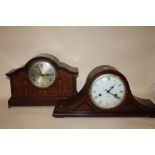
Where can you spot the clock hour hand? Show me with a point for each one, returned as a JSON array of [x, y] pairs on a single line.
[[40, 71], [115, 95], [48, 74]]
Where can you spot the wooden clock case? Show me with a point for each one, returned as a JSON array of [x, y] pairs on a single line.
[[23, 93], [81, 104]]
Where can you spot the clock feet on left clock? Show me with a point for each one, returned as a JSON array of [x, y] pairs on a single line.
[[43, 80], [33, 101]]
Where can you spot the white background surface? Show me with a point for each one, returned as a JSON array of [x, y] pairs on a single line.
[[77, 12], [130, 49]]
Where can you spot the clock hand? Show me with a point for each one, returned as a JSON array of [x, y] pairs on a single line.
[[112, 94], [115, 95], [40, 71], [47, 74], [108, 91]]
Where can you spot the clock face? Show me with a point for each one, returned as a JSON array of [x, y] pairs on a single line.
[[42, 74], [107, 91]]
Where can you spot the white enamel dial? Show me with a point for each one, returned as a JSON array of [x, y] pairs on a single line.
[[42, 74], [107, 91]]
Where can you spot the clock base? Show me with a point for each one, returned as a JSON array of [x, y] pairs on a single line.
[[92, 114], [82, 105], [135, 108], [25, 91], [33, 101]]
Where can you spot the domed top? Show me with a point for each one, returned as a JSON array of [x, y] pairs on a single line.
[[49, 57]]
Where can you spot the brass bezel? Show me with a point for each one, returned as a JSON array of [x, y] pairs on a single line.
[[101, 107], [35, 61]]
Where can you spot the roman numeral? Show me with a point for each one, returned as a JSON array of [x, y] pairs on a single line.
[[100, 102], [41, 65], [94, 91], [95, 97], [108, 77], [107, 104]]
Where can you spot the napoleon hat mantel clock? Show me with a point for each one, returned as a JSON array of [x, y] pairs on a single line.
[[105, 93], [43, 80]]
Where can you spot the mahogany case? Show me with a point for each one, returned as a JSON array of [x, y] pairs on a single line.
[[23, 93], [82, 106]]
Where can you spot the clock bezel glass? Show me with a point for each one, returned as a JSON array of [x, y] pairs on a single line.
[[44, 61], [104, 107]]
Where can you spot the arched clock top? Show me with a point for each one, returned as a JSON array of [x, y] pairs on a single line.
[[47, 57], [43, 80], [106, 92], [102, 70]]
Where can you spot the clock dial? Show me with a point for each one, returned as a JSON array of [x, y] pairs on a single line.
[[107, 91], [42, 74]]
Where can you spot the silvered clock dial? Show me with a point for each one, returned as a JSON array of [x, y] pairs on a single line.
[[42, 74], [44, 80], [107, 91]]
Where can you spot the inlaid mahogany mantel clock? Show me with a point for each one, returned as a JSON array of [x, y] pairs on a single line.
[[105, 93], [43, 80]]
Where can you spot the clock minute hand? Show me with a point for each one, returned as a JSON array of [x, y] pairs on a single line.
[[115, 95], [40, 71]]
